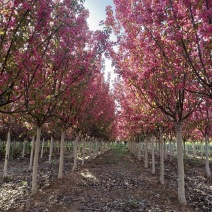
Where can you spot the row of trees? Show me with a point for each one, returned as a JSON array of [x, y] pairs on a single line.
[[50, 74], [163, 59]]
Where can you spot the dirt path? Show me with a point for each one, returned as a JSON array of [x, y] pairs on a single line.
[[115, 181]]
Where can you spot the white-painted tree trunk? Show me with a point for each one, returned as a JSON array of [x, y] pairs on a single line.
[[201, 150], [170, 150], [34, 189], [7, 154], [90, 149], [181, 180], [58, 147], [41, 154], [93, 149], [176, 149], [69, 145], [156, 147], [62, 146], [208, 172], [97, 147], [161, 158], [139, 150], [51, 149], [101, 147], [146, 154], [75, 154], [164, 146], [24, 148], [153, 154], [83, 151], [194, 150], [32, 152]]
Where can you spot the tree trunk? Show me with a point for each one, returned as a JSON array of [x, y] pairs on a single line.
[[24, 147], [156, 147], [184, 148], [146, 154], [51, 149], [208, 172], [139, 149], [201, 147], [62, 146], [194, 150], [181, 180], [75, 154], [164, 149], [34, 189], [97, 147], [153, 154], [90, 149], [58, 147], [7, 155], [83, 151], [32, 153], [41, 154], [101, 147], [170, 150], [161, 158], [93, 149]]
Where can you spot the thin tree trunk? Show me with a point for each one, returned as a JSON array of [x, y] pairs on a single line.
[[32, 153], [75, 154], [170, 150], [7, 155], [208, 172], [161, 158], [153, 154], [139, 149], [181, 180], [93, 149], [194, 150], [62, 146], [41, 154], [24, 147], [51, 149], [34, 189], [90, 150], [201, 150], [97, 147], [83, 151], [184, 148], [164, 149], [101, 147], [58, 147], [146, 154]]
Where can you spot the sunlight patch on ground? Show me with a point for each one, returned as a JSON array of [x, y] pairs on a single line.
[[10, 193], [85, 173]]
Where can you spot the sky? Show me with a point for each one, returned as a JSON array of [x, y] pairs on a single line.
[[97, 11], [97, 14]]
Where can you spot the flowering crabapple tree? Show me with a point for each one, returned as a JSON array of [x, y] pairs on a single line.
[[48, 72]]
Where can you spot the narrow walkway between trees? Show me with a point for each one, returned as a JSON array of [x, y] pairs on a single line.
[[115, 181]]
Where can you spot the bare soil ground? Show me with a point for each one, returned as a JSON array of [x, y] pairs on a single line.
[[112, 182]]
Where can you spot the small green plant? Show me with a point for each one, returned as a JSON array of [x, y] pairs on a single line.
[[133, 203], [24, 183]]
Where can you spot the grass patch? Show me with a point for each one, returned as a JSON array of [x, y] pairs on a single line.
[[120, 150]]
